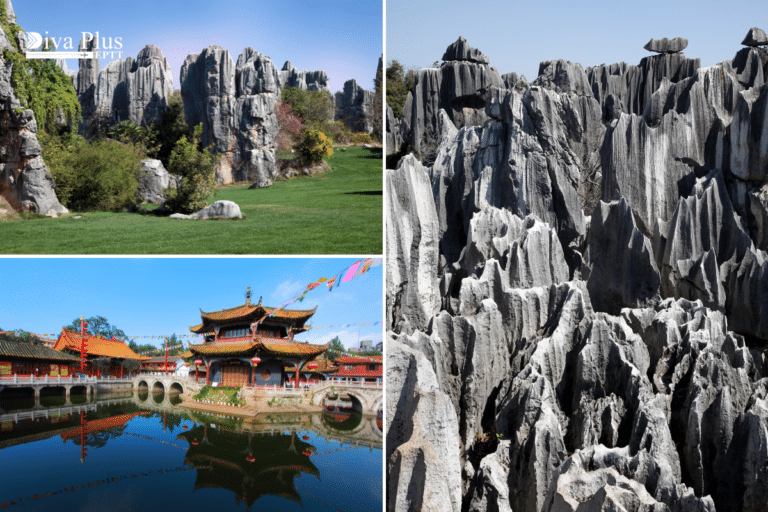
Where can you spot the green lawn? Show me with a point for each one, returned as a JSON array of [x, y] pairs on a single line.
[[339, 212]]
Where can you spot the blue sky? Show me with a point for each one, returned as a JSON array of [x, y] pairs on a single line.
[[162, 296], [342, 37], [518, 35]]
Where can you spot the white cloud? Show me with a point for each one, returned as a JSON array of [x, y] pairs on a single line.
[[287, 290]]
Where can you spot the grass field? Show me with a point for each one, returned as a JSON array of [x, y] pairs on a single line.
[[339, 212]]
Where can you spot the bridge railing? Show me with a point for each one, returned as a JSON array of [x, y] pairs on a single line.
[[31, 379]]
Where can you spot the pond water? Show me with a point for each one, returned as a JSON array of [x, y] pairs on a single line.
[[143, 452]]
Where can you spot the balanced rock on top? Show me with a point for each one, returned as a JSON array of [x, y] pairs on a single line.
[[755, 37], [460, 50], [665, 45]]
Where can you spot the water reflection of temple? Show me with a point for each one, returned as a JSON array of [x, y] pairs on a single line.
[[248, 465]]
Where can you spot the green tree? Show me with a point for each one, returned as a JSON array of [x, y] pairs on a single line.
[[315, 108], [196, 166], [170, 128], [398, 84], [335, 345], [20, 336], [103, 364], [98, 326], [131, 365]]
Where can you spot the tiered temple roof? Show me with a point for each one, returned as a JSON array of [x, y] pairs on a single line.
[[249, 313], [95, 346]]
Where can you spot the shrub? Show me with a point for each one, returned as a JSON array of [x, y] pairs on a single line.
[[290, 129], [361, 138], [128, 131], [313, 107], [337, 131], [101, 175], [314, 146], [196, 166]]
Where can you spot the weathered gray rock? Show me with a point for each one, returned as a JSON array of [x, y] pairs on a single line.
[[412, 247], [220, 209], [634, 85], [654, 402], [460, 50], [458, 87], [422, 436], [85, 83], [749, 64], [25, 181], [749, 135], [289, 76], [393, 137], [9, 12], [154, 180], [665, 45], [755, 37], [354, 107], [237, 109], [135, 90], [622, 270]]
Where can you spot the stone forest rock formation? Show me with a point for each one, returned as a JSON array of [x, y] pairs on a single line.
[[577, 286], [236, 105], [25, 181], [354, 106]]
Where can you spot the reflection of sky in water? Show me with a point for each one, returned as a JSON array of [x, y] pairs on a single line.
[[350, 478]]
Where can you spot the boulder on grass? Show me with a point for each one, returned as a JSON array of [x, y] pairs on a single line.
[[219, 209]]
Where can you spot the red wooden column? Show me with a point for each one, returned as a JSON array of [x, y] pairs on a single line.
[[207, 372]]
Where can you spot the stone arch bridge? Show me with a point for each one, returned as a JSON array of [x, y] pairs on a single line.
[[369, 395]]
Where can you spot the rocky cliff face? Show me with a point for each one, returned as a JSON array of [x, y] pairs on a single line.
[[354, 106], [25, 181], [136, 90], [236, 106], [576, 287], [289, 76]]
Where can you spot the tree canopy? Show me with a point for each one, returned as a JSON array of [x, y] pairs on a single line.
[[98, 326]]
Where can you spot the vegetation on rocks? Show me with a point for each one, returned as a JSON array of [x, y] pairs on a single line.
[[196, 166], [39, 84], [399, 82]]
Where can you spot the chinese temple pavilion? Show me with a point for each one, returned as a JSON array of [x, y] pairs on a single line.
[[251, 344], [70, 342]]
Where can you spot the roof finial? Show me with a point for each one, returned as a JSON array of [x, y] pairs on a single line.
[[259, 300], [248, 296]]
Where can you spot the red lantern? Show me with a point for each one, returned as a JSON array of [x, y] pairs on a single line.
[[256, 360], [186, 364], [312, 366], [198, 362], [250, 458]]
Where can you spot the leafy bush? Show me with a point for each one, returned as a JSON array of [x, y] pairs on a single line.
[[101, 175], [314, 146], [313, 107], [290, 129], [130, 132], [361, 138], [338, 131], [196, 166]]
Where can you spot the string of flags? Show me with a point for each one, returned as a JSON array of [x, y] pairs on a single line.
[[358, 268]]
